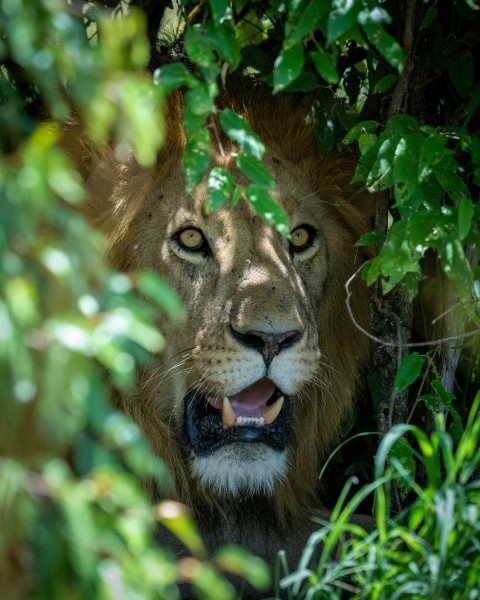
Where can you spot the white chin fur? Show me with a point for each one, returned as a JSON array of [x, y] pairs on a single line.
[[241, 468]]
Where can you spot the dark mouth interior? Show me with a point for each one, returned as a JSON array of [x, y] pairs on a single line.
[[205, 431]]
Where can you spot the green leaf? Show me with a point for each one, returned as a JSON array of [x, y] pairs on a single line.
[[359, 129], [325, 65], [309, 16], [196, 158], [218, 8], [305, 82], [385, 44], [405, 172], [173, 76], [432, 151], [288, 66], [402, 125], [365, 141], [452, 183], [408, 372], [397, 256], [402, 452], [380, 175], [222, 38], [429, 17], [447, 400], [198, 101], [266, 207], [325, 129], [373, 237], [255, 171], [462, 74], [238, 130], [420, 226], [431, 402], [220, 187], [465, 217], [341, 19], [456, 266], [198, 46], [237, 194], [384, 84]]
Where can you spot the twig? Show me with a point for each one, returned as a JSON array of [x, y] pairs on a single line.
[[395, 344], [401, 89]]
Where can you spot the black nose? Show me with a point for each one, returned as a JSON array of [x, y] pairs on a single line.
[[268, 344]]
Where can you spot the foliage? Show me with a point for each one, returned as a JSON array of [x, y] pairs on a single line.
[[429, 550], [74, 519]]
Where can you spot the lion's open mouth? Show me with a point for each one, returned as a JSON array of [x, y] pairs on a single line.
[[260, 413]]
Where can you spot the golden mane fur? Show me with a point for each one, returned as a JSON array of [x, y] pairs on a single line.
[[123, 197]]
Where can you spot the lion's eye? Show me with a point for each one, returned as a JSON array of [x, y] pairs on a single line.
[[191, 239], [302, 238]]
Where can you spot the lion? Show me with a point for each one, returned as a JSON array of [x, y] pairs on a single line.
[[252, 388]]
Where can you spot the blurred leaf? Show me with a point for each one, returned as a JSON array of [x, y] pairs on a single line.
[[218, 8], [177, 518], [462, 73], [153, 286], [198, 46], [457, 267], [222, 37], [304, 18], [288, 66], [465, 217], [342, 18], [325, 66], [173, 76], [238, 561], [384, 84]]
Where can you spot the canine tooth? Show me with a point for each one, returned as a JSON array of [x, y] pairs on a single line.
[[228, 414], [270, 413]]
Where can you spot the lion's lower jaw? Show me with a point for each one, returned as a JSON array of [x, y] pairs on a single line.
[[245, 469]]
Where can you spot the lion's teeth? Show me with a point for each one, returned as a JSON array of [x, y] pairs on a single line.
[[250, 421], [270, 413], [228, 414]]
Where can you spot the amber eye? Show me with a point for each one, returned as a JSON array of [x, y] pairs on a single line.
[[302, 238], [191, 239]]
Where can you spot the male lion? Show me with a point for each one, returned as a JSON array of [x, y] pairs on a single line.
[[252, 387]]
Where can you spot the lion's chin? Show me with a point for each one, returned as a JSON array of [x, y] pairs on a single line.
[[241, 469], [238, 445]]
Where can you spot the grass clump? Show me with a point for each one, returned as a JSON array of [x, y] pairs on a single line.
[[430, 550]]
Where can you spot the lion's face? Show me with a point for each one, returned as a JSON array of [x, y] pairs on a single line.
[[249, 345], [252, 387]]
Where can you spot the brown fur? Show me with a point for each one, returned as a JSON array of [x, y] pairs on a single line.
[[135, 208]]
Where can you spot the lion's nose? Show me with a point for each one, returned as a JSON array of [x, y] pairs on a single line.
[[268, 344]]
